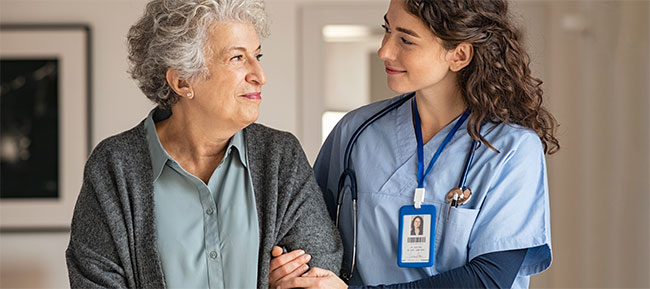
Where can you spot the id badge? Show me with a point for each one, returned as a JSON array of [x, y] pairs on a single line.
[[417, 229]]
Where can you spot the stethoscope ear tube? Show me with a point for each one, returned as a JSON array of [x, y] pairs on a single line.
[[368, 122], [354, 236], [468, 163], [347, 275], [348, 173]]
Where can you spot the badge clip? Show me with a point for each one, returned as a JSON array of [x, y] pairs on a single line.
[[418, 198]]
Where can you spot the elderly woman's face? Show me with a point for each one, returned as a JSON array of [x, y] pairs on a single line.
[[232, 91]]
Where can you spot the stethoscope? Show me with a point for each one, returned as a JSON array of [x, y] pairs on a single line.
[[455, 197]]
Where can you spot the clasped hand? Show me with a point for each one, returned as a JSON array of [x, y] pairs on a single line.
[[290, 270]]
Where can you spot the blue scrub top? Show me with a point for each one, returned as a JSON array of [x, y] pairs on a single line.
[[509, 207]]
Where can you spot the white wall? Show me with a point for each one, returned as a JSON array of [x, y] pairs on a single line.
[[596, 78], [33, 260], [347, 81], [311, 65], [37, 260]]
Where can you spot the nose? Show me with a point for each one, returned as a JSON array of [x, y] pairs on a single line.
[[256, 74], [386, 51]]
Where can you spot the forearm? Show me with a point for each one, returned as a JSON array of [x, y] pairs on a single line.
[[492, 270], [313, 232], [306, 219]]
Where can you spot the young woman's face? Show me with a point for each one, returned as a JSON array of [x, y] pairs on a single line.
[[417, 223], [414, 57]]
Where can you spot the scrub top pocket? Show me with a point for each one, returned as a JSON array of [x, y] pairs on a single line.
[[452, 236]]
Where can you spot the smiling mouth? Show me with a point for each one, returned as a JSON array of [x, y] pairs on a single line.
[[253, 95], [392, 71]]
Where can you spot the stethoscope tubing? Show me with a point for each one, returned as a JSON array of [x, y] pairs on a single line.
[[468, 163], [349, 173]]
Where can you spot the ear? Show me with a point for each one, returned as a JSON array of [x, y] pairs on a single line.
[[182, 87], [460, 56]]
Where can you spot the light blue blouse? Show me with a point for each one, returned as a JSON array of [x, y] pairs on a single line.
[[208, 235], [509, 207]]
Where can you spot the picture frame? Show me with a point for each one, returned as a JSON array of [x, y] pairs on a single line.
[[34, 197]]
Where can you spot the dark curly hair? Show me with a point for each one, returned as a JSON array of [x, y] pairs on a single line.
[[497, 84]]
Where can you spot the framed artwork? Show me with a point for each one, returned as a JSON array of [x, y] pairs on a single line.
[[45, 123]]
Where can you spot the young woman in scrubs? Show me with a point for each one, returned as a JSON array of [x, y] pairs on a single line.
[[457, 57]]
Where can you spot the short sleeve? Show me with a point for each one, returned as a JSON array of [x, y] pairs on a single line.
[[515, 213]]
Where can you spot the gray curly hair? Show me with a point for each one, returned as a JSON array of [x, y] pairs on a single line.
[[172, 34]]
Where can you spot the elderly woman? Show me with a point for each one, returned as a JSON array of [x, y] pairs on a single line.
[[196, 195]]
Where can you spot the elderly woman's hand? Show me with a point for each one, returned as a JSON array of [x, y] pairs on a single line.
[[286, 266]]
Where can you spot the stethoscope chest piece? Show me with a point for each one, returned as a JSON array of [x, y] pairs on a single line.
[[457, 196]]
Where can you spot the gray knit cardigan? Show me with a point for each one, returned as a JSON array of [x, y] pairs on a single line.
[[113, 233]]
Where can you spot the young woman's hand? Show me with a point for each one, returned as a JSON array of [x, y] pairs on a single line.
[[286, 266], [315, 278]]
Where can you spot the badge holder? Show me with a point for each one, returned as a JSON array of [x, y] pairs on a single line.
[[417, 227]]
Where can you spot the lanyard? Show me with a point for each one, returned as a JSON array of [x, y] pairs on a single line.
[[418, 134]]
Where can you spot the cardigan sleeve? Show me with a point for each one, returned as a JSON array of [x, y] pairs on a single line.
[[306, 221], [92, 255]]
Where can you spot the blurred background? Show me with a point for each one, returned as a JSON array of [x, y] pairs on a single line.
[[320, 60]]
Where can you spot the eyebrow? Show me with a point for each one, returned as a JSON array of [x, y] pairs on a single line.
[[403, 30], [240, 48]]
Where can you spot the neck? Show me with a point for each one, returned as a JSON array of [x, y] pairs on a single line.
[[437, 108], [197, 144], [182, 138]]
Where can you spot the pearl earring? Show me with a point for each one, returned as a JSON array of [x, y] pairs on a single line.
[[189, 94]]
